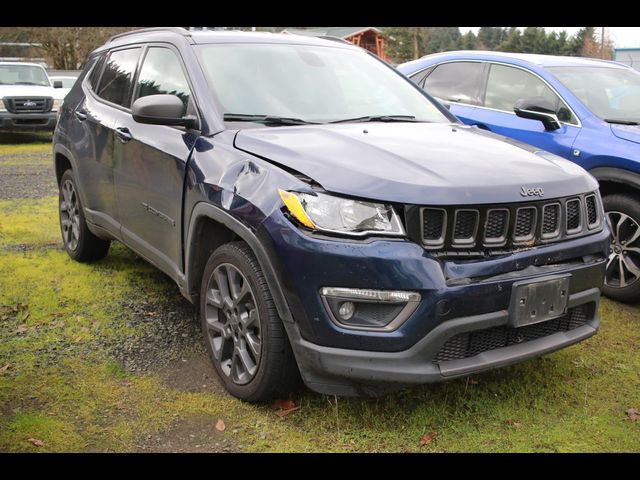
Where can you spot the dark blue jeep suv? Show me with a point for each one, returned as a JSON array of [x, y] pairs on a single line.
[[331, 221]]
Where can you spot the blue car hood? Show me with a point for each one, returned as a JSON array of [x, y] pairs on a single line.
[[418, 163], [627, 132]]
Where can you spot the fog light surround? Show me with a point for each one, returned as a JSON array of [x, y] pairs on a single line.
[[368, 309]]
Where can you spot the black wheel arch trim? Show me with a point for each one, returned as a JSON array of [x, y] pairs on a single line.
[[206, 210], [617, 175]]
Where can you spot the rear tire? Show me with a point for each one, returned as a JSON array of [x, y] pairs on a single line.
[[245, 337], [79, 242], [622, 279]]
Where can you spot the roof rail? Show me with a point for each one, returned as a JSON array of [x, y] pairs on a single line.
[[179, 30]]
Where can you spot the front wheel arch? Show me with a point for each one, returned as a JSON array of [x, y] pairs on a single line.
[[234, 230]]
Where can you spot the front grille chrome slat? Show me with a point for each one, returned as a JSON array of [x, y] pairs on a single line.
[[460, 231]]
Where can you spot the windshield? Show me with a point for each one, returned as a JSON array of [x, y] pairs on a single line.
[[610, 93], [23, 75], [310, 84]]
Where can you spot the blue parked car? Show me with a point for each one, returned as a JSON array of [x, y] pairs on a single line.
[[584, 110]]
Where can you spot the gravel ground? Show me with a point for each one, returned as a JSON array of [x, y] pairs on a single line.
[[35, 178]]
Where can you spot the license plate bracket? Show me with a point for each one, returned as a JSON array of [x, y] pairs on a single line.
[[539, 300]]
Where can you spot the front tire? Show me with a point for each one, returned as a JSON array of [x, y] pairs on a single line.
[[79, 242], [622, 279], [244, 335]]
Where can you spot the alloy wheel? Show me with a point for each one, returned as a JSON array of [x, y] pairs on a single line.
[[69, 215], [233, 324], [623, 264]]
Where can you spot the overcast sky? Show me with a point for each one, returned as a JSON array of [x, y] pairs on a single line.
[[622, 37]]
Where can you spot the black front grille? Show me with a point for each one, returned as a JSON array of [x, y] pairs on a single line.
[[29, 104], [573, 215], [470, 344], [551, 220], [465, 226], [497, 224], [592, 210], [498, 229], [525, 223], [433, 225]]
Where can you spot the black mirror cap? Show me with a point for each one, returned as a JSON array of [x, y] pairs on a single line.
[[537, 108], [161, 109], [57, 84]]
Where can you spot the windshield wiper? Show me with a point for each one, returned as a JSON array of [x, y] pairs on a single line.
[[379, 118], [29, 83], [621, 121], [266, 119]]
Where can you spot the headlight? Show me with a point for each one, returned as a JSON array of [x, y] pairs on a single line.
[[57, 103], [342, 215], [2, 107]]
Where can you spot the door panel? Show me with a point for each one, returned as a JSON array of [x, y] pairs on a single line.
[[92, 144], [150, 166]]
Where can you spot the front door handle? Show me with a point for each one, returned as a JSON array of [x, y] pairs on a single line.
[[123, 134], [80, 115]]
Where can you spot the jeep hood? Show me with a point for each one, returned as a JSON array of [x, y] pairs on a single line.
[[627, 132], [29, 91], [418, 163]]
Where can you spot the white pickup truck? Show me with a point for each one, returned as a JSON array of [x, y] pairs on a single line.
[[28, 99]]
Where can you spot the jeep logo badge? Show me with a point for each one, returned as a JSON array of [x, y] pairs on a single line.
[[530, 192]]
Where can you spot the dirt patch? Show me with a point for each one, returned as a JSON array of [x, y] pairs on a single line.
[[196, 433], [31, 180], [193, 374]]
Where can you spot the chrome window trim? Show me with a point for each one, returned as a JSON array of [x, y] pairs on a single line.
[[578, 125]]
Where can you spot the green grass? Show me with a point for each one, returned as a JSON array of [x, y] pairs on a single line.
[[63, 388]]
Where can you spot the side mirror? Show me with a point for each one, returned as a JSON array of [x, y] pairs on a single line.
[[161, 109], [57, 84], [538, 108]]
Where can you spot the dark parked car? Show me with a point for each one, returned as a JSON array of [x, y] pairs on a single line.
[[584, 110], [327, 217]]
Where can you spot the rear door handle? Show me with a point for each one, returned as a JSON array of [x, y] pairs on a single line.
[[123, 134], [80, 115]]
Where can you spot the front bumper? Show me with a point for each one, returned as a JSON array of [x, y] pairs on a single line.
[[27, 122], [457, 297], [355, 372]]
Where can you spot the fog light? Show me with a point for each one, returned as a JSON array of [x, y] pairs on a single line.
[[368, 309], [346, 310]]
